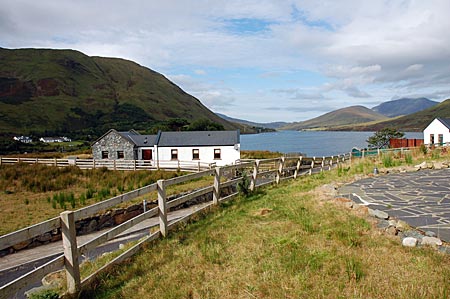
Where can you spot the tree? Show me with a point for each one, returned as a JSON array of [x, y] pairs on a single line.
[[205, 125], [381, 138]]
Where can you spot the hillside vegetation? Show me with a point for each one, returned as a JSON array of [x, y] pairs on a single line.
[[403, 106], [345, 116], [65, 91]]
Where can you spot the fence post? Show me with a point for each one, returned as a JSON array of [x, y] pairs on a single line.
[[312, 165], [69, 238], [114, 163], [254, 176], [134, 164], [162, 205], [216, 187], [280, 169], [323, 164], [198, 166], [297, 168], [0, 160], [331, 162]]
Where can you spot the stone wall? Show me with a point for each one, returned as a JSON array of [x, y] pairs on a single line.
[[112, 143], [109, 219]]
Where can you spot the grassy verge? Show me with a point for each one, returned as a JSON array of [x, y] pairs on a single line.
[[283, 242]]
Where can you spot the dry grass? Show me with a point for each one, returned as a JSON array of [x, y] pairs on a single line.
[[31, 193], [283, 242]]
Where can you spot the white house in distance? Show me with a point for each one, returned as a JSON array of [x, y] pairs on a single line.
[[437, 132], [220, 147]]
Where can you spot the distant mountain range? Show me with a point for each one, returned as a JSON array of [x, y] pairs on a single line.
[[345, 116], [403, 106], [271, 125], [407, 114]]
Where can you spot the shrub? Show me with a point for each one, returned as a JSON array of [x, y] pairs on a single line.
[[47, 294], [423, 149], [244, 185], [408, 159], [387, 161]]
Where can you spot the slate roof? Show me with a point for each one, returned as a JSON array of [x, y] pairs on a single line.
[[445, 121], [190, 138], [198, 138], [143, 140]]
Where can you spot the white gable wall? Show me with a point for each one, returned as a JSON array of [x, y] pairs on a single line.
[[436, 128], [228, 154]]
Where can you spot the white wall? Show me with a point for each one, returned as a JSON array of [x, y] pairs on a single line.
[[436, 128], [229, 154]]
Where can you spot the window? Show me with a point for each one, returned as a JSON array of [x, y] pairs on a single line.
[[431, 138], [104, 154], [217, 154], [120, 155], [174, 154], [195, 154], [441, 139]]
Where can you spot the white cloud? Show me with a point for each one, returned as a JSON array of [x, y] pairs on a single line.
[[359, 48]]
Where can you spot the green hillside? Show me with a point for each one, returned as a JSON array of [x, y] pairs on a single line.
[[65, 91], [345, 116]]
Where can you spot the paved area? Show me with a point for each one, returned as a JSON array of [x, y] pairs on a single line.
[[420, 198]]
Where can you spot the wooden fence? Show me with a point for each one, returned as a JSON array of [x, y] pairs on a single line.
[[115, 164], [258, 172]]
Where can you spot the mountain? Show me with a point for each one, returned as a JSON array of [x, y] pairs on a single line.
[[415, 122], [271, 125], [403, 106], [65, 91], [345, 116]]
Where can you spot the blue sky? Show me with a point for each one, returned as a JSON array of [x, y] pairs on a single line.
[[260, 60]]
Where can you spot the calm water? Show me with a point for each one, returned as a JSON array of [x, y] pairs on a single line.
[[309, 142]]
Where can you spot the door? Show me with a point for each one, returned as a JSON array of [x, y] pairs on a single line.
[[147, 154]]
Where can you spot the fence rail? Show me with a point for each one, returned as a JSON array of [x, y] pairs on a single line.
[[259, 172], [126, 165]]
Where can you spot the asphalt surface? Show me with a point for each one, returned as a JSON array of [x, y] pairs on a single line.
[[421, 198]]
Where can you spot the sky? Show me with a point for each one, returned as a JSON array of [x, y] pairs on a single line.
[[259, 60]]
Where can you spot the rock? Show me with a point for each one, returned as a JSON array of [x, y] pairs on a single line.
[[91, 227], [392, 223], [121, 246], [383, 224], [118, 219], [391, 230], [45, 238], [22, 245], [409, 242], [432, 241], [437, 165], [54, 279], [401, 225], [361, 209], [422, 165], [429, 233], [328, 189], [413, 234], [378, 214]]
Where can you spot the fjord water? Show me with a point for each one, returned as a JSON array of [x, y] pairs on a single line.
[[311, 143]]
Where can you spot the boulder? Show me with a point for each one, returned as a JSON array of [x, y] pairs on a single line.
[[429, 233], [378, 214], [437, 165], [409, 242], [44, 238], [22, 245], [431, 241], [422, 165]]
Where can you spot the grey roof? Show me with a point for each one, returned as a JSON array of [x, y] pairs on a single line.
[[143, 140], [198, 138], [445, 121]]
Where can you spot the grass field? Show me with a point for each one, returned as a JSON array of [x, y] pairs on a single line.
[[289, 241]]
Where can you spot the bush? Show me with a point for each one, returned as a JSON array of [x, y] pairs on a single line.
[[423, 149], [408, 159], [47, 294], [388, 161]]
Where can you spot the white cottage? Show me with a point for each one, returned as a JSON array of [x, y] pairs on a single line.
[[219, 147], [437, 132]]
